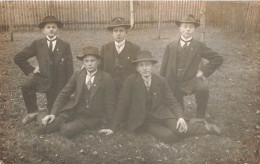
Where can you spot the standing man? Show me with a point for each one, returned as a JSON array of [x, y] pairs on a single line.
[[55, 66], [92, 103], [119, 54], [181, 65], [149, 105]]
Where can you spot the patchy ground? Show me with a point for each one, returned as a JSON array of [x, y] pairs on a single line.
[[233, 105]]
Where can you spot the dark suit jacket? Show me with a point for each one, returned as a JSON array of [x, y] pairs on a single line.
[[39, 49], [102, 98], [108, 51], [132, 102], [197, 51]]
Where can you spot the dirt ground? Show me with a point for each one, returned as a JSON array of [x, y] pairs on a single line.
[[233, 105]]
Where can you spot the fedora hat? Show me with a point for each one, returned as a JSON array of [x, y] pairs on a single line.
[[145, 56], [50, 19], [118, 21], [188, 18], [89, 50]]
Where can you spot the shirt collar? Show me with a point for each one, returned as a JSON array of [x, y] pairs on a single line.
[[48, 38], [120, 43], [91, 74], [147, 78], [186, 40]]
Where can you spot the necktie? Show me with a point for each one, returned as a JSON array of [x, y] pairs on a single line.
[[89, 83], [50, 45], [146, 82], [185, 43]]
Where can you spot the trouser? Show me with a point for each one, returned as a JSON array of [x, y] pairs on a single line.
[[165, 129], [70, 125], [30, 99], [201, 91]]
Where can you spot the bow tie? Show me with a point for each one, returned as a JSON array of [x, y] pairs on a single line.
[[51, 40], [186, 41]]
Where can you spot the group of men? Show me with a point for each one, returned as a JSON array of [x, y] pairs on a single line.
[[117, 85]]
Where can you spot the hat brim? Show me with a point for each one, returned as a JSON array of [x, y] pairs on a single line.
[[145, 60], [58, 23], [81, 57], [178, 23], [127, 26]]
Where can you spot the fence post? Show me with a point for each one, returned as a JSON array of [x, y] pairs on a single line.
[[159, 19], [10, 22], [202, 26], [131, 13], [203, 20]]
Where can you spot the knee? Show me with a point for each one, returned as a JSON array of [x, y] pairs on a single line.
[[67, 132], [24, 87], [204, 89], [170, 137]]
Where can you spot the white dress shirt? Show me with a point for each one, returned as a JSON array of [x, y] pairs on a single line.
[[120, 46], [186, 40], [53, 42], [90, 76], [147, 81]]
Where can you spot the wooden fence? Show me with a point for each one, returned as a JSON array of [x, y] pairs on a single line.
[[240, 16], [25, 15]]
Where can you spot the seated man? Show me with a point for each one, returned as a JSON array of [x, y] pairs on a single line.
[[86, 100], [151, 107]]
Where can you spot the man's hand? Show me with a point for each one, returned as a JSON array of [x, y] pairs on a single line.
[[48, 119], [199, 73], [106, 131], [181, 125], [36, 70]]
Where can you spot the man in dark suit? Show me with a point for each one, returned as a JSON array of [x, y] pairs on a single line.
[[87, 100], [150, 106], [181, 65], [55, 66], [119, 54]]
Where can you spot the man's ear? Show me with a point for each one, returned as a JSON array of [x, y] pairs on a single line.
[[136, 67]]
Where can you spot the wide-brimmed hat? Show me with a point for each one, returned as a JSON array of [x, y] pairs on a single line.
[[188, 18], [145, 56], [118, 21], [50, 19], [89, 50]]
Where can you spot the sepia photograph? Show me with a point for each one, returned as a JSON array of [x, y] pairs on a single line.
[[129, 81]]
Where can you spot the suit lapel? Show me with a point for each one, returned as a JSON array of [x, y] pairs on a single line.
[[154, 90], [125, 49], [45, 50], [191, 55], [112, 51], [58, 50], [140, 91], [174, 58], [81, 81], [96, 84]]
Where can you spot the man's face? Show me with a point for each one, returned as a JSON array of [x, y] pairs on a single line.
[[90, 63], [187, 30], [144, 68], [50, 29], [119, 33]]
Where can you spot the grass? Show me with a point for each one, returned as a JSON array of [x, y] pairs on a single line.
[[233, 105]]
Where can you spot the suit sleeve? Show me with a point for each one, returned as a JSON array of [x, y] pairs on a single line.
[[171, 101], [21, 58], [64, 95], [109, 98], [124, 100], [165, 62], [69, 64], [215, 60]]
